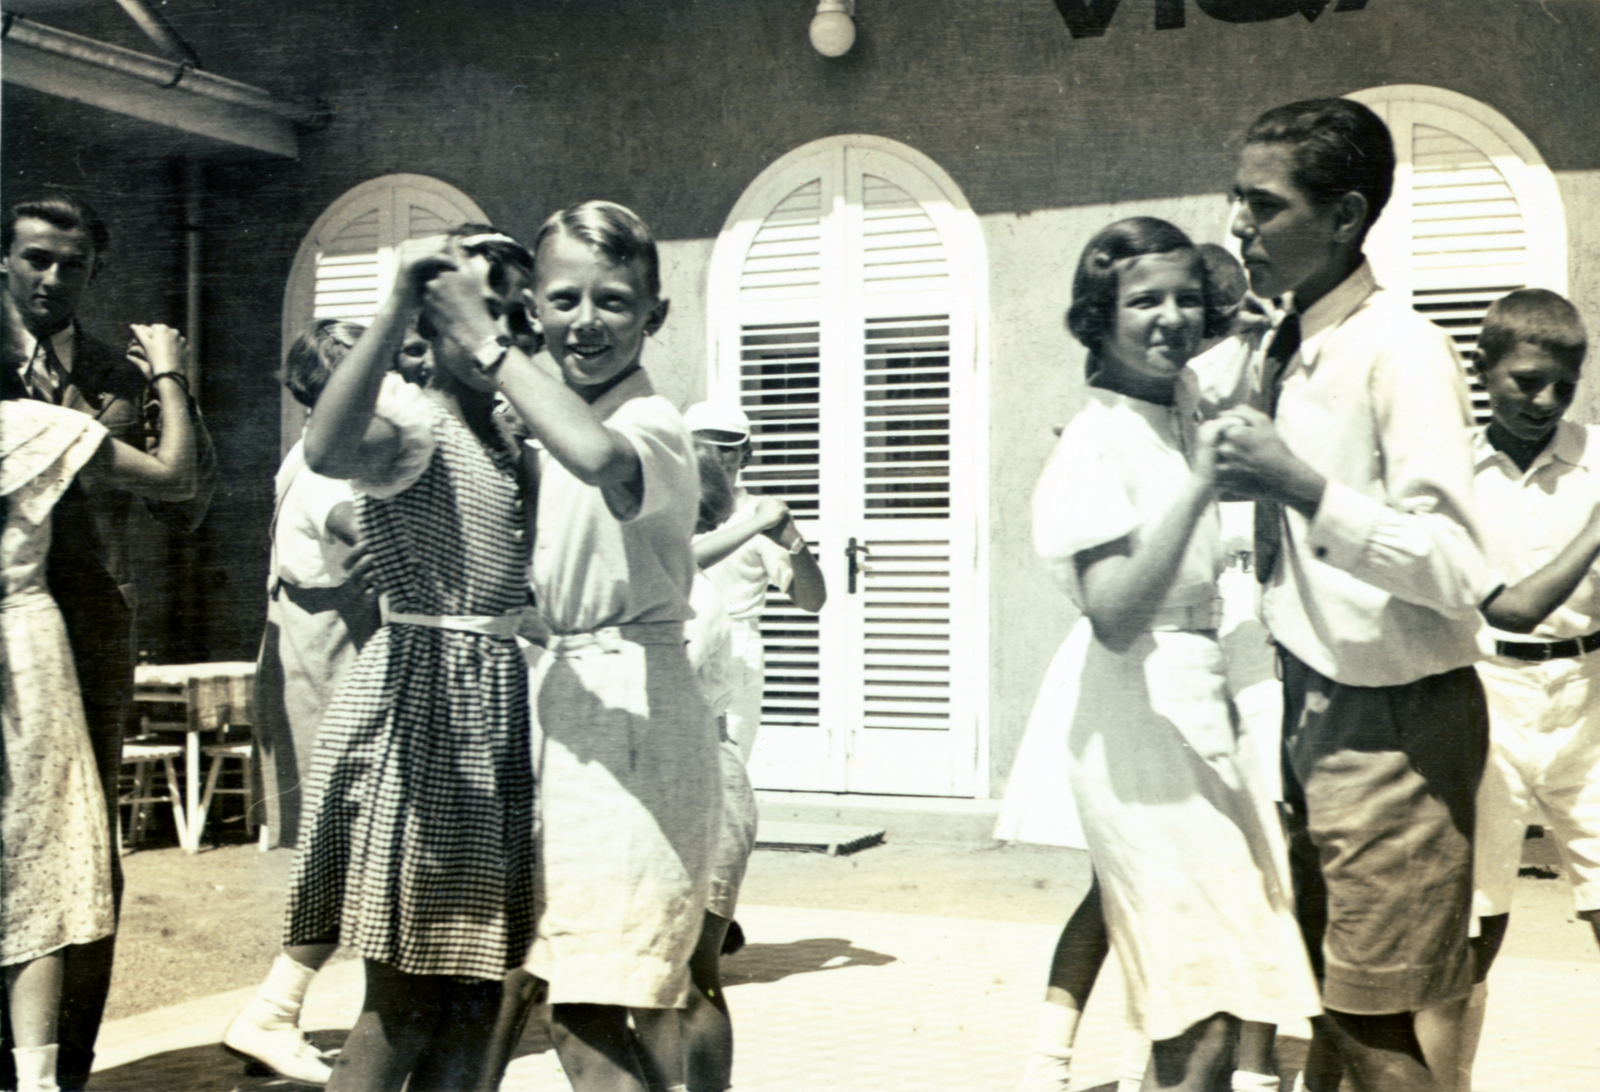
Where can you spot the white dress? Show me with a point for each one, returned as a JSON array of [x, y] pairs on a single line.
[[1191, 862], [55, 853], [625, 748]]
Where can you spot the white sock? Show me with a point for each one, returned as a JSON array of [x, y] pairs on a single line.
[[1056, 1029], [1135, 1060], [1245, 1081], [1049, 1064], [36, 1068], [282, 993]]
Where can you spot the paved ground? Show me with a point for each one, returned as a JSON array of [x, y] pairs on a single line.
[[902, 996]]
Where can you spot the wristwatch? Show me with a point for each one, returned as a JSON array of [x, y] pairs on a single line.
[[798, 546], [492, 352]]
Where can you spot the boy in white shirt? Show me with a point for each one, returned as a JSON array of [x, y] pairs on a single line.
[[1538, 484]]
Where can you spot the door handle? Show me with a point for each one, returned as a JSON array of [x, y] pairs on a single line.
[[854, 566]]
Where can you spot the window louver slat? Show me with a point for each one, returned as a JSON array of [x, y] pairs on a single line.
[[1469, 243]]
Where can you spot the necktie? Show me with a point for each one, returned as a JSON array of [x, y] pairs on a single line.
[[1269, 513], [46, 376]]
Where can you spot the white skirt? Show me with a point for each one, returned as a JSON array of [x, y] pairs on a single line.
[[1190, 855]]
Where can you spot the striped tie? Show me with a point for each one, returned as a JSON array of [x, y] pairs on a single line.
[[45, 376]]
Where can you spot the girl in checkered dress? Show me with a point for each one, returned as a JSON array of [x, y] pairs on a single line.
[[419, 851]]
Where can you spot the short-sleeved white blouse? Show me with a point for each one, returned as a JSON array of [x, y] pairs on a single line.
[[1120, 467], [590, 569]]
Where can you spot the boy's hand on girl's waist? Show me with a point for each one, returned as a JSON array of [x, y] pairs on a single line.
[[363, 567]]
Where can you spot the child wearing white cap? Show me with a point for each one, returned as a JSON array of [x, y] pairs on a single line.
[[758, 547]]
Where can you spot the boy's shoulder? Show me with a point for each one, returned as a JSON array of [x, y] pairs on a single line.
[[1579, 444], [1391, 316]]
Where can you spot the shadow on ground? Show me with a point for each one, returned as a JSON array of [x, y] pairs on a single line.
[[206, 1068], [774, 962]]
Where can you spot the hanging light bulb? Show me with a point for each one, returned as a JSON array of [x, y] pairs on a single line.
[[833, 32]]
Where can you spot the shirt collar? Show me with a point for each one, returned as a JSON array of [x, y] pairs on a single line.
[[1565, 446], [1185, 399], [1322, 317], [24, 345], [636, 385]]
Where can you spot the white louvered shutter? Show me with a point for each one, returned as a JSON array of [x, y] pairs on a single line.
[[848, 322], [346, 261], [1473, 216], [779, 306]]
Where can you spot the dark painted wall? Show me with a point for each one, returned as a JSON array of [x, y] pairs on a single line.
[[673, 106]]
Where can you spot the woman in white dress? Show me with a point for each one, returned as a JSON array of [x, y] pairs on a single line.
[[55, 853], [1190, 862]]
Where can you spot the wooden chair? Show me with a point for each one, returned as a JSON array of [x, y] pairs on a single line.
[[243, 751], [144, 753]]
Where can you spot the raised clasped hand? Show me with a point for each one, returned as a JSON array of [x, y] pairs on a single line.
[[1251, 458], [772, 512], [157, 348]]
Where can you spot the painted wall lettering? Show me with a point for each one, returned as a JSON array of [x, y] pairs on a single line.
[[1090, 18]]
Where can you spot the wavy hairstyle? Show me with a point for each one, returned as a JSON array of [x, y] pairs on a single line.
[[61, 209], [1093, 315]]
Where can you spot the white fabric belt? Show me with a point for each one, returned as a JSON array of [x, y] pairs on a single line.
[[1199, 616], [489, 625], [611, 638]]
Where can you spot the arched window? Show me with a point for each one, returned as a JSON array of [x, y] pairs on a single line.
[[848, 296], [346, 262], [1475, 212]]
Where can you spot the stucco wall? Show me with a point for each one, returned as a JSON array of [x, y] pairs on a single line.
[[674, 108]]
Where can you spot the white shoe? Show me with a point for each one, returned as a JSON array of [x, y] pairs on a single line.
[[281, 1047], [1046, 1072]]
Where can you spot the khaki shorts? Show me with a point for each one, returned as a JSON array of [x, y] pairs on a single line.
[[1381, 784]]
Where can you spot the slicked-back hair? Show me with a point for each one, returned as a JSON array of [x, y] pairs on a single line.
[[1532, 316], [314, 355], [63, 210], [1096, 286], [613, 230], [1336, 146]]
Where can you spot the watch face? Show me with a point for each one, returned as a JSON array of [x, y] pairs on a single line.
[[491, 353]]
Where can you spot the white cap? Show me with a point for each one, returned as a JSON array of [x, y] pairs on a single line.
[[718, 417]]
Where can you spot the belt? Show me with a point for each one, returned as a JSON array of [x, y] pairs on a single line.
[[489, 625], [610, 638], [1538, 652]]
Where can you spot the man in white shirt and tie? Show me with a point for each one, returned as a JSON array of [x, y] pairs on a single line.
[[1368, 546]]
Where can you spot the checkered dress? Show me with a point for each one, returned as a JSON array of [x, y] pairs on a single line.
[[420, 845]]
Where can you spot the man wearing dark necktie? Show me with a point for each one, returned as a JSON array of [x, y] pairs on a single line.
[[1372, 567], [52, 247]]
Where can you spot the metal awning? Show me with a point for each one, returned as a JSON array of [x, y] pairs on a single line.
[[171, 91]]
